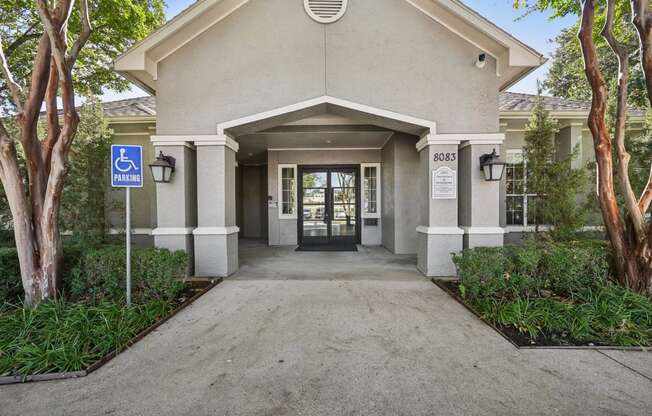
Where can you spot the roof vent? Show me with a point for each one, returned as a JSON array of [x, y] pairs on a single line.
[[325, 11]]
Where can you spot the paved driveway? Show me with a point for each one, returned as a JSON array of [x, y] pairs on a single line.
[[340, 347]]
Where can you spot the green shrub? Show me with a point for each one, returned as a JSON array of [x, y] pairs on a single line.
[[561, 291], [100, 275], [11, 286], [59, 336]]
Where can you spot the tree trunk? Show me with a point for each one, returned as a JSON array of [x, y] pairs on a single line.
[[630, 238]]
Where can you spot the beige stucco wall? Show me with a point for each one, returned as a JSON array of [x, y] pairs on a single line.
[[400, 166], [382, 53], [143, 209]]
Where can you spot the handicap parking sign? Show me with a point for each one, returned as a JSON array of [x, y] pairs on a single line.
[[126, 166]]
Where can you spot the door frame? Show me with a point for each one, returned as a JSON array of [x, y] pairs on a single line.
[[358, 200]]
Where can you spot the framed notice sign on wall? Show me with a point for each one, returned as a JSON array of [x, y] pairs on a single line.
[[444, 183]]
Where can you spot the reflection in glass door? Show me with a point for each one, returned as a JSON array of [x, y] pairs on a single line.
[[329, 205]]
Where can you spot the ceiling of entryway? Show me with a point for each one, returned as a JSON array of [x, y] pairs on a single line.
[[304, 134]]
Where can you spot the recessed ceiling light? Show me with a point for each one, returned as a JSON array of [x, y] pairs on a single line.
[[251, 154], [329, 141]]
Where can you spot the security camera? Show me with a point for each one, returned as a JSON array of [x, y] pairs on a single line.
[[481, 61]]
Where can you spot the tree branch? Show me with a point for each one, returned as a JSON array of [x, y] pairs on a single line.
[[20, 40], [622, 54], [83, 36], [646, 197], [602, 142], [15, 89]]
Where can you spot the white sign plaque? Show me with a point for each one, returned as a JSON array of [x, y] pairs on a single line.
[[444, 183]]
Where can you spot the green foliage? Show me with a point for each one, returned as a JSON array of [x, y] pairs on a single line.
[[11, 286], [566, 76], [84, 195], [156, 273], [117, 25], [560, 291], [60, 336], [555, 181]]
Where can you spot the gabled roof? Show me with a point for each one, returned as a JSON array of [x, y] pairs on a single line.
[[518, 103], [510, 103], [514, 58]]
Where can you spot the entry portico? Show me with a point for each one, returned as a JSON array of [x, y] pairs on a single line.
[[367, 128], [367, 133]]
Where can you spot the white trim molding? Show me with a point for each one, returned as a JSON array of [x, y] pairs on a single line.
[[279, 189], [456, 138], [172, 231], [426, 124], [170, 144], [216, 230], [379, 180], [198, 140], [483, 230], [423, 229]]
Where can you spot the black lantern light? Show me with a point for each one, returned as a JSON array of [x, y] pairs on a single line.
[[492, 167], [162, 168]]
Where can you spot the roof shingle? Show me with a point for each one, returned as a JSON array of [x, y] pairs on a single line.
[[508, 102]]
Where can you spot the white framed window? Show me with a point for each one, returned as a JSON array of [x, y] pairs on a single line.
[[287, 191], [370, 190], [518, 198]]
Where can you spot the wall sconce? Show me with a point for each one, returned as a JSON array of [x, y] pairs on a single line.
[[492, 167], [162, 168]]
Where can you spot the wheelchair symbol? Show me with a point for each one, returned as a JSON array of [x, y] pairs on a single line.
[[122, 160]]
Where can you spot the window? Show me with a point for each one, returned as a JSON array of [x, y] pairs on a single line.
[[518, 198], [370, 190], [287, 191]]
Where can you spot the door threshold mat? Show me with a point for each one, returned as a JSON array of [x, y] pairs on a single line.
[[328, 247]]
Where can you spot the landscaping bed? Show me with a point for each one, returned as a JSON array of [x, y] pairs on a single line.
[[90, 323], [552, 294]]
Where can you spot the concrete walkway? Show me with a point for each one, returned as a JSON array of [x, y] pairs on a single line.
[[256, 346]]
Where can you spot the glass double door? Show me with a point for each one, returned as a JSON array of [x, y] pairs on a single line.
[[329, 205]]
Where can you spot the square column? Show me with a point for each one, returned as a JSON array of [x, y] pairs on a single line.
[[479, 208], [175, 201], [438, 233], [216, 236]]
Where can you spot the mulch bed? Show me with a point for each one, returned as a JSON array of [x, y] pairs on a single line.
[[194, 289], [520, 340]]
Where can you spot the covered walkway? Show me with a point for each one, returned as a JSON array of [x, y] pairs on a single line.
[[259, 261]]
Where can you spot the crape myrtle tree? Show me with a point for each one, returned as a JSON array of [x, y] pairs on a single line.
[[49, 51], [626, 226]]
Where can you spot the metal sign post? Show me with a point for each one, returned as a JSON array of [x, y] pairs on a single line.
[[127, 172]]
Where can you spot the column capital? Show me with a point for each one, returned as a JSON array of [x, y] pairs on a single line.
[[198, 140], [456, 138]]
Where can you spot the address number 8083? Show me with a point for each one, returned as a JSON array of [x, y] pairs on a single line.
[[445, 157]]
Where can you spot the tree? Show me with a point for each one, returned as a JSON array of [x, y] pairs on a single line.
[[58, 37], [83, 204], [117, 25], [566, 76], [625, 223], [555, 182]]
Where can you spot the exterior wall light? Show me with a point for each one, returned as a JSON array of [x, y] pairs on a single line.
[[162, 168], [492, 167]]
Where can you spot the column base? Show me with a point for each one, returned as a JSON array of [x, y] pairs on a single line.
[[436, 246], [483, 237], [216, 251]]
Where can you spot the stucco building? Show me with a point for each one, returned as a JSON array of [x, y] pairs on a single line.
[[333, 123]]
